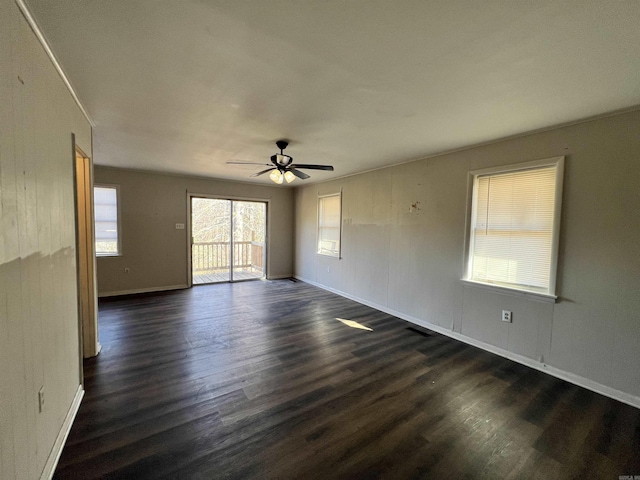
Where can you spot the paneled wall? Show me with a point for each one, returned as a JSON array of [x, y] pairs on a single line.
[[39, 332], [410, 260], [155, 252]]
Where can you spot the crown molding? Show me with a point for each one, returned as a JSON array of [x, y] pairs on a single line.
[[28, 16]]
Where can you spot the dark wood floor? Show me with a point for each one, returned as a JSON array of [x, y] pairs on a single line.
[[258, 380]]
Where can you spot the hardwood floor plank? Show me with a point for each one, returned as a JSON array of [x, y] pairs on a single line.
[[259, 380]]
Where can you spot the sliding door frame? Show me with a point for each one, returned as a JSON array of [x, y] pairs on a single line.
[[267, 236]]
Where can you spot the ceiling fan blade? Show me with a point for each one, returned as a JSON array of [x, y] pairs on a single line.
[[313, 167], [299, 174], [246, 163], [262, 172]]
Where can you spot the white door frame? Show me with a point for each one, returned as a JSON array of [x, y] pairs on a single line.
[[85, 252]]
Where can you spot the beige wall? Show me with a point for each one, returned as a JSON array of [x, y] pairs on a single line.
[[411, 263], [39, 332], [155, 252]]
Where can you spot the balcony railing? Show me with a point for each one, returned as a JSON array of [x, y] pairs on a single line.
[[216, 256]]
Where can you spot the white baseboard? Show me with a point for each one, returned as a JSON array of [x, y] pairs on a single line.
[[621, 396], [170, 287], [142, 290], [280, 277], [56, 451]]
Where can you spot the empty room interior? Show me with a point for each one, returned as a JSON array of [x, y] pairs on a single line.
[[323, 239]]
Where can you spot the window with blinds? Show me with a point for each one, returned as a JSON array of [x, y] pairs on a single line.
[[105, 207], [329, 223], [514, 226]]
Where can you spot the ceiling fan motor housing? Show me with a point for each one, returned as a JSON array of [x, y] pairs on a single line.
[[281, 160]]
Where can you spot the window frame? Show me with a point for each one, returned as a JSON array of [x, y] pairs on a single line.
[[338, 255], [118, 220], [558, 163]]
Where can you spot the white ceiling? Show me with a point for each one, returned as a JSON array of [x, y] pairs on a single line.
[[185, 86]]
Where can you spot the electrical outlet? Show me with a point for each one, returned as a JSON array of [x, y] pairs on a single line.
[[506, 316], [126, 269], [41, 399], [179, 226]]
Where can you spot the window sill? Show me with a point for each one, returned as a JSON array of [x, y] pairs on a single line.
[[541, 297], [101, 255], [324, 255]]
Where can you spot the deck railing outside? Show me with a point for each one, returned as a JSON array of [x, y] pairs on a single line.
[[215, 256]]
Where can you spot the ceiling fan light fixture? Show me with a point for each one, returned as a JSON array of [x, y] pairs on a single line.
[[283, 168], [289, 176], [276, 176]]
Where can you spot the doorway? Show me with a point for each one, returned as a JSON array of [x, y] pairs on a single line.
[[85, 253], [227, 240]]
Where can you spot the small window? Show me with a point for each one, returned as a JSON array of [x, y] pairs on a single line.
[[515, 218], [105, 206], [329, 222]]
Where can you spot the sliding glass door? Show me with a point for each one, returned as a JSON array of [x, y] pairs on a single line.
[[249, 228], [227, 240]]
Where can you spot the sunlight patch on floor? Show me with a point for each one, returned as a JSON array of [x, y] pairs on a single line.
[[352, 324]]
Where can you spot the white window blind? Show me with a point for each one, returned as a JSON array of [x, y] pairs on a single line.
[[329, 225], [105, 205], [513, 237]]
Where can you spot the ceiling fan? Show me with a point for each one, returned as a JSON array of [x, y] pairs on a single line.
[[282, 167]]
